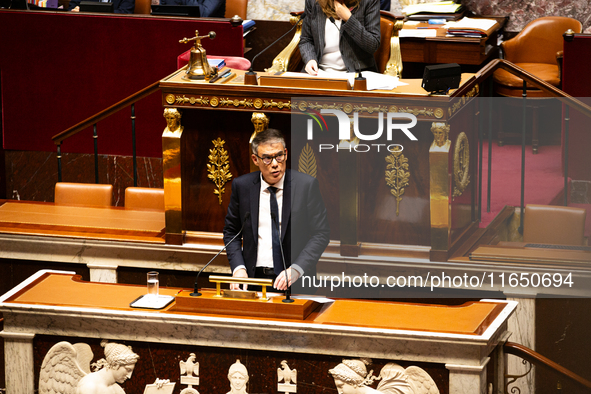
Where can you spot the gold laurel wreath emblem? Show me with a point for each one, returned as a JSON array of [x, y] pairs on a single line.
[[219, 167], [397, 175]]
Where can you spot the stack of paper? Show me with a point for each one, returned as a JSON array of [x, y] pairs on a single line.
[[471, 27], [446, 10], [374, 81]]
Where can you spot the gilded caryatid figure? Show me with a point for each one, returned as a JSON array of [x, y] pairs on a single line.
[[260, 121], [173, 122], [440, 132]]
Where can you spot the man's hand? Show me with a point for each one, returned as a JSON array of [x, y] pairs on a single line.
[[281, 283], [76, 9], [312, 67], [239, 273], [342, 11]]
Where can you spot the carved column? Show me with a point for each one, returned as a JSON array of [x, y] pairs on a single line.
[[440, 190], [467, 379], [18, 360], [171, 167]]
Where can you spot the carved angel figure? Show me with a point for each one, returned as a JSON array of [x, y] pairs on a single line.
[[286, 374], [188, 367], [66, 369], [351, 377]]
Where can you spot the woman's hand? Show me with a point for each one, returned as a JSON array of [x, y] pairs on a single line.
[[342, 11], [312, 67]]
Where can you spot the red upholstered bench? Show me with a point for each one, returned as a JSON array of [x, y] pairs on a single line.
[[235, 62]]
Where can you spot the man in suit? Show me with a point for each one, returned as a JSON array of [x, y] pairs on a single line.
[[298, 218]]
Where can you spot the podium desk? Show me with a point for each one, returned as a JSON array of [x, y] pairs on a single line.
[[462, 338], [429, 217]]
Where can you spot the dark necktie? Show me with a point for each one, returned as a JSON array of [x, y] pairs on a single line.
[[277, 264]]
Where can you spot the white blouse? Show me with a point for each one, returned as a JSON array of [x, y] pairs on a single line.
[[331, 56]]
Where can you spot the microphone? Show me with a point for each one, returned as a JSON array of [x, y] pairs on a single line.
[[287, 298], [360, 82], [334, 23], [196, 292], [250, 75]]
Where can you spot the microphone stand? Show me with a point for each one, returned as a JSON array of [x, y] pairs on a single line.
[[250, 77], [196, 292], [287, 298]]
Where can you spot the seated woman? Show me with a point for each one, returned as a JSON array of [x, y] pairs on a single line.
[[340, 36]]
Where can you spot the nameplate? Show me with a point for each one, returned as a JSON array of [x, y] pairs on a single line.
[[304, 82]]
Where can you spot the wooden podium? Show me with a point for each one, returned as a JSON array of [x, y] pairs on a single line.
[[427, 218], [459, 341]]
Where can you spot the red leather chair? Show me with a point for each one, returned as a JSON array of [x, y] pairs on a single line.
[[535, 50]]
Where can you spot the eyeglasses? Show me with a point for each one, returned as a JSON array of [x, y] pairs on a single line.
[[280, 158]]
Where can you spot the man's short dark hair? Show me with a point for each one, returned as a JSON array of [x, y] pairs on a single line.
[[267, 136]]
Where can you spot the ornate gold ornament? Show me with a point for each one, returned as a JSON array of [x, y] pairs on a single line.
[[192, 100], [394, 65], [416, 111], [397, 175], [371, 110], [170, 98], [463, 100], [281, 61], [461, 171], [219, 169], [307, 161], [439, 113], [277, 104], [318, 106]]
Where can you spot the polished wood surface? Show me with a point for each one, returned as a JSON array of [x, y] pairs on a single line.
[[443, 49], [472, 318], [109, 222], [517, 252], [273, 307]]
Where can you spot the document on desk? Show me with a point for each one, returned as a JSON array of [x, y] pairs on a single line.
[[375, 81], [417, 33]]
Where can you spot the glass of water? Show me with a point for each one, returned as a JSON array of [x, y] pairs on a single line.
[[153, 283]]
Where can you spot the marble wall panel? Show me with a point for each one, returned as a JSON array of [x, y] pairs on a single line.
[[521, 12], [158, 360], [32, 175]]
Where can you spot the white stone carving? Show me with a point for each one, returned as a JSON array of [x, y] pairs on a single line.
[[289, 378], [238, 376], [190, 374], [351, 377], [66, 369]]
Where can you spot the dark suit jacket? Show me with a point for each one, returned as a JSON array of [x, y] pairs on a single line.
[[359, 36], [207, 8], [304, 226], [119, 6]]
